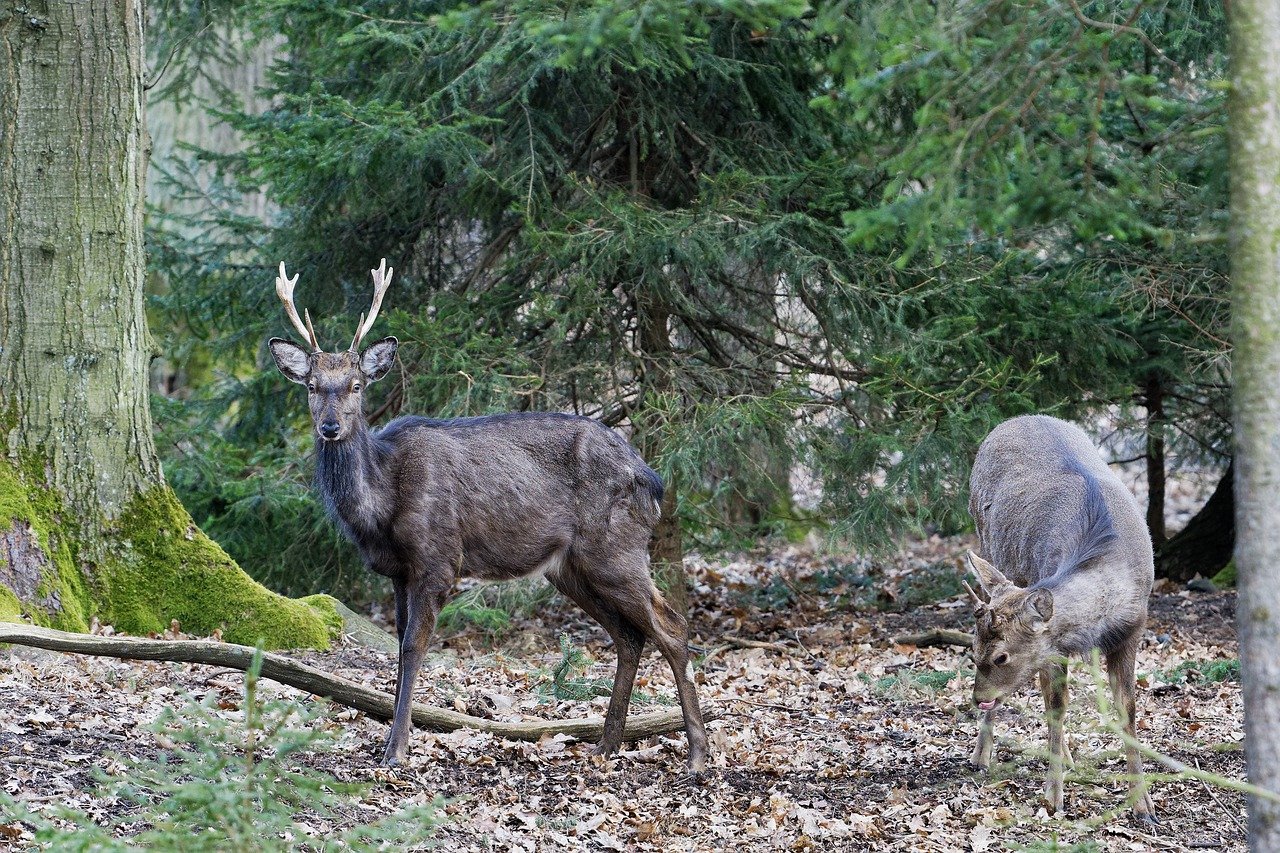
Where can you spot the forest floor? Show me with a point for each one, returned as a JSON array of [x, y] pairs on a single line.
[[832, 736]]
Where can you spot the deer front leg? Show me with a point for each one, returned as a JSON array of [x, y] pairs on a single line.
[[1120, 672], [981, 758], [402, 619], [402, 623], [422, 604], [1053, 684]]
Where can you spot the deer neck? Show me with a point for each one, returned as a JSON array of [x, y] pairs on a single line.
[[352, 479], [1089, 612]]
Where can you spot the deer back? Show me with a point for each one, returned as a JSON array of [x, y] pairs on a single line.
[[1046, 505], [506, 494]]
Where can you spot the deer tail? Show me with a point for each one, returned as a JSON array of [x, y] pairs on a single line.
[[649, 492]]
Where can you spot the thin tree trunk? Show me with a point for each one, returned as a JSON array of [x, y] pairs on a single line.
[[87, 526], [1254, 121], [1154, 398], [666, 549], [1205, 545]]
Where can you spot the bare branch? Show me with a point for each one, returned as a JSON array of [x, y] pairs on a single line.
[[311, 680]]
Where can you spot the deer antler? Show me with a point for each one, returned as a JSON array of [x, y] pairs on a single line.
[[284, 289], [977, 599], [381, 281]]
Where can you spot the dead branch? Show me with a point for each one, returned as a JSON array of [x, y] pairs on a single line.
[[936, 637], [311, 680], [744, 643]]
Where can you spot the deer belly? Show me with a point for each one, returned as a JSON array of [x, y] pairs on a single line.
[[495, 564]]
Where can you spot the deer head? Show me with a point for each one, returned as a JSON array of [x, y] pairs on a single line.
[[1012, 637], [335, 381]]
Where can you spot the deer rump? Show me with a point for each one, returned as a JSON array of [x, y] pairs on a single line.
[[1047, 509], [499, 496]]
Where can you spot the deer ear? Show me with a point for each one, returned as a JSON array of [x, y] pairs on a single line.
[[378, 358], [989, 577], [1038, 609], [292, 360]]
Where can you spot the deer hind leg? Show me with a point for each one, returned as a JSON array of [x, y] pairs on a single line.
[[629, 643], [1053, 684], [670, 633], [422, 605], [1121, 662], [622, 586]]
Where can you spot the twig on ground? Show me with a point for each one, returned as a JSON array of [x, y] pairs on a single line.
[[795, 636], [743, 643], [936, 637], [1221, 805]]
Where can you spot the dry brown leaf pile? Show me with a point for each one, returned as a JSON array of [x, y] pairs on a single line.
[[829, 736]]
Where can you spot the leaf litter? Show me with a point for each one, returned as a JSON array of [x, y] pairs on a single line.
[[827, 733]]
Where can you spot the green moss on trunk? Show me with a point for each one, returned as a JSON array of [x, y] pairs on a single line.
[[32, 524], [154, 566]]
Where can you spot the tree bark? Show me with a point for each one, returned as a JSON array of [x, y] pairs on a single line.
[[1154, 398], [87, 525], [666, 549], [1204, 546], [286, 671], [1254, 146], [74, 346]]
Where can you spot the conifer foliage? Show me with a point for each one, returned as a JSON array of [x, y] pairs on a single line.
[[763, 238]]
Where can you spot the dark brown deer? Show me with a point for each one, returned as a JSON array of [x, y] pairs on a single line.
[[1070, 571], [427, 501]]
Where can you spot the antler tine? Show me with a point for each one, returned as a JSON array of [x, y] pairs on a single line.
[[311, 330], [381, 281], [284, 290], [977, 599]]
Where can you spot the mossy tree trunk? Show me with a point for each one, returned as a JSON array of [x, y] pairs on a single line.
[[1254, 121], [87, 526]]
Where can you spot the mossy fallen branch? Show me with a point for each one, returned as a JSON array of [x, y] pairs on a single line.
[[287, 671]]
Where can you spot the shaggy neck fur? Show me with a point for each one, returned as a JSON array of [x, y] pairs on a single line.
[[350, 476]]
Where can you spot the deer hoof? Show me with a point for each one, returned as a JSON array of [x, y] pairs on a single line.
[[1053, 797], [1144, 811]]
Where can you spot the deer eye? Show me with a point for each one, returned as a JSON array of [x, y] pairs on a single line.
[[355, 386], [1000, 659], [311, 387]]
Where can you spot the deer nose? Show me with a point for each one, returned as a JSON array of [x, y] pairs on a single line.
[[329, 430]]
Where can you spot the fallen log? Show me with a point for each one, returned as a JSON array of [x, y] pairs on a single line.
[[936, 637], [285, 670]]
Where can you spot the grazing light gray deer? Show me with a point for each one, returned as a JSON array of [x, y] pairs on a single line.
[[428, 501], [1070, 571]]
